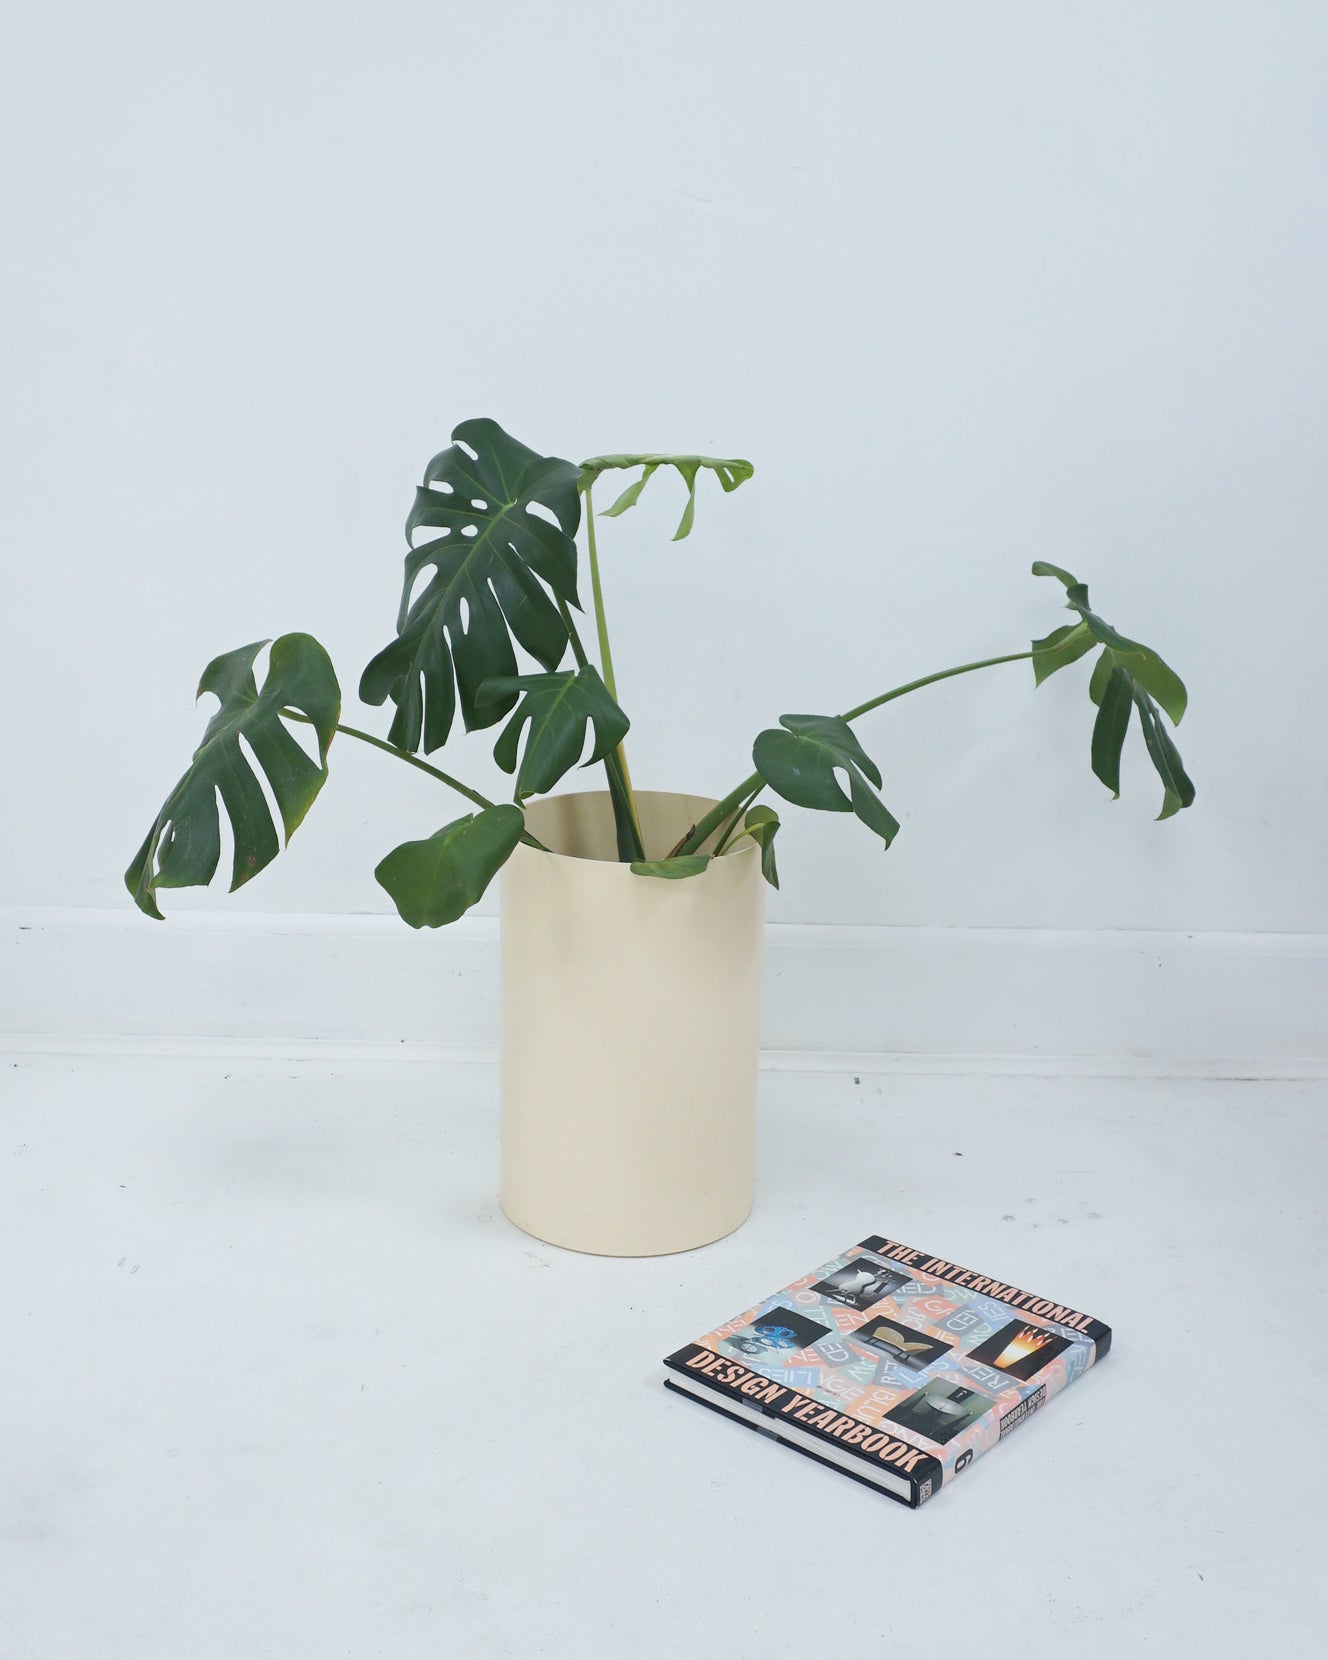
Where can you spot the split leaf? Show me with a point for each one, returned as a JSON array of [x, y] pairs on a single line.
[[1143, 664], [183, 847], [1126, 676], [554, 711], [800, 763], [504, 558], [730, 473]]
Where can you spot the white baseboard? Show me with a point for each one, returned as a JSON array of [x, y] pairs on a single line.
[[899, 999]]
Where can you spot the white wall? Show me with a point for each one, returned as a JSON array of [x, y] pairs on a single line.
[[971, 284]]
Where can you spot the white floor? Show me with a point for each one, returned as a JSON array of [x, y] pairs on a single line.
[[280, 1380]]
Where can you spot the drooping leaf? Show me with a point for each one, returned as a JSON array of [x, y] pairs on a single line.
[[1126, 675], [730, 473], [1178, 791], [433, 882], [554, 712], [1110, 727], [1103, 670], [675, 869], [1143, 664], [492, 571], [183, 847], [760, 824], [632, 494], [800, 763]]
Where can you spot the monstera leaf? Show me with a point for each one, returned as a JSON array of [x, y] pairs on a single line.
[[183, 847], [432, 882], [492, 570], [760, 824], [674, 869], [729, 473], [800, 763], [1127, 676], [555, 710]]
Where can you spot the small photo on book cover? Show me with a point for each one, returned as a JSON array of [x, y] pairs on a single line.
[[940, 1410], [901, 1343], [862, 1283], [1020, 1349], [777, 1331]]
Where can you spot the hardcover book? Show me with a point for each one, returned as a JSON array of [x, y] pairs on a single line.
[[897, 1367]]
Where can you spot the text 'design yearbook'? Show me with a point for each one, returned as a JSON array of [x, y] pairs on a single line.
[[894, 1366]]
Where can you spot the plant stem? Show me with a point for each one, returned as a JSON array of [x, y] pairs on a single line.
[[626, 823], [929, 679], [721, 811], [601, 622], [414, 761], [733, 823], [422, 766], [718, 813], [628, 830], [606, 652]]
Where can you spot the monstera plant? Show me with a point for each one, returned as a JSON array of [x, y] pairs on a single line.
[[496, 581]]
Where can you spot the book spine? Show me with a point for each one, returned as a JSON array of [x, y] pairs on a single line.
[[779, 1402]]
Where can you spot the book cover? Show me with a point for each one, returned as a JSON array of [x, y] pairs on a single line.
[[895, 1366]]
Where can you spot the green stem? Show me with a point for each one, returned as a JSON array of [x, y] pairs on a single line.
[[421, 766], [601, 622], [578, 650], [733, 823], [930, 679], [718, 813], [721, 810], [630, 844], [626, 823], [606, 654]]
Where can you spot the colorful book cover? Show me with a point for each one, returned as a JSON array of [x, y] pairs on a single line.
[[895, 1366]]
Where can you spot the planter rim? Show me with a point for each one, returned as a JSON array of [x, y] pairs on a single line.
[[734, 850]]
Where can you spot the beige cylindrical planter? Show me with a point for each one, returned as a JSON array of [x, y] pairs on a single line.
[[629, 1033]]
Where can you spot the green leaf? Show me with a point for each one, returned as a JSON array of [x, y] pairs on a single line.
[[1060, 648], [1178, 791], [1125, 674], [183, 847], [1110, 727], [433, 882], [555, 710], [1042, 568], [1144, 665], [761, 824], [1102, 672], [672, 870], [492, 571], [730, 473], [632, 494], [800, 762]]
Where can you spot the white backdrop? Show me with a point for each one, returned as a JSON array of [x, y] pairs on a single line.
[[971, 286]]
